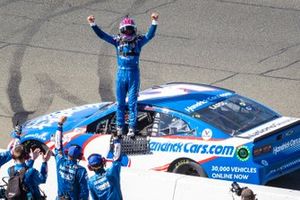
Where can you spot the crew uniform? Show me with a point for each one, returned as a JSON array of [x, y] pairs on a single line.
[[105, 184], [71, 177], [32, 178], [128, 74]]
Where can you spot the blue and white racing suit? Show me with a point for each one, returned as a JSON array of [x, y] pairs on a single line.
[[128, 73], [71, 177], [105, 185]]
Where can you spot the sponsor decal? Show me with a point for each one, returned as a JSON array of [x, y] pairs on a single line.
[[270, 127], [286, 145], [207, 134], [39, 136], [289, 133], [264, 163], [198, 104], [243, 153], [235, 172], [67, 173], [217, 105], [179, 147]]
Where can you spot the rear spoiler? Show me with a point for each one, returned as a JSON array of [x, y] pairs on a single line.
[[277, 130]]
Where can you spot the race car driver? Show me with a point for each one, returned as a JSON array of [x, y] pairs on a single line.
[[128, 46]]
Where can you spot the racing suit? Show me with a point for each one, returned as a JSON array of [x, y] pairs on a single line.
[[128, 74], [71, 177], [33, 178], [105, 184]]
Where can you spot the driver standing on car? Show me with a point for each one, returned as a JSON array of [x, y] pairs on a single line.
[[128, 46]]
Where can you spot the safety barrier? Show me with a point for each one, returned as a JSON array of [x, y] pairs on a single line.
[[150, 185]]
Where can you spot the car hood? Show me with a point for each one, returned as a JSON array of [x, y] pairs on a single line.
[[40, 127]]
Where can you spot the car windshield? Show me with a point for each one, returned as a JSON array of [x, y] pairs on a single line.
[[235, 114]]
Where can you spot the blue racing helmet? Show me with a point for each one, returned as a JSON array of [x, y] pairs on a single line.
[[75, 151]]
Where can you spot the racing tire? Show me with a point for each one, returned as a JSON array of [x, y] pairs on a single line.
[[188, 167], [35, 144]]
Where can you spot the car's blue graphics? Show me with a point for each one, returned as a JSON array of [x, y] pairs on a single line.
[[74, 115], [285, 167]]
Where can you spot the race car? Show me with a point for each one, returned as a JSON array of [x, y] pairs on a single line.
[[185, 128]]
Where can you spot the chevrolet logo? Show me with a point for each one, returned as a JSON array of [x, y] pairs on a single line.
[[289, 133]]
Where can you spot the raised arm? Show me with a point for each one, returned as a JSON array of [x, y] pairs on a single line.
[[101, 34], [113, 173], [5, 157], [34, 154], [59, 136], [16, 137], [117, 149], [151, 32], [39, 177]]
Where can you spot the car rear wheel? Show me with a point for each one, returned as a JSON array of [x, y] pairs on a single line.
[[188, 167], [33, 144]]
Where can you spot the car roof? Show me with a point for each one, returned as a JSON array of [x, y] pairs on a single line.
[[183, 97]]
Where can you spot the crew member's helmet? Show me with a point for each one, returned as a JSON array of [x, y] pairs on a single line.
[[127, 28]]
